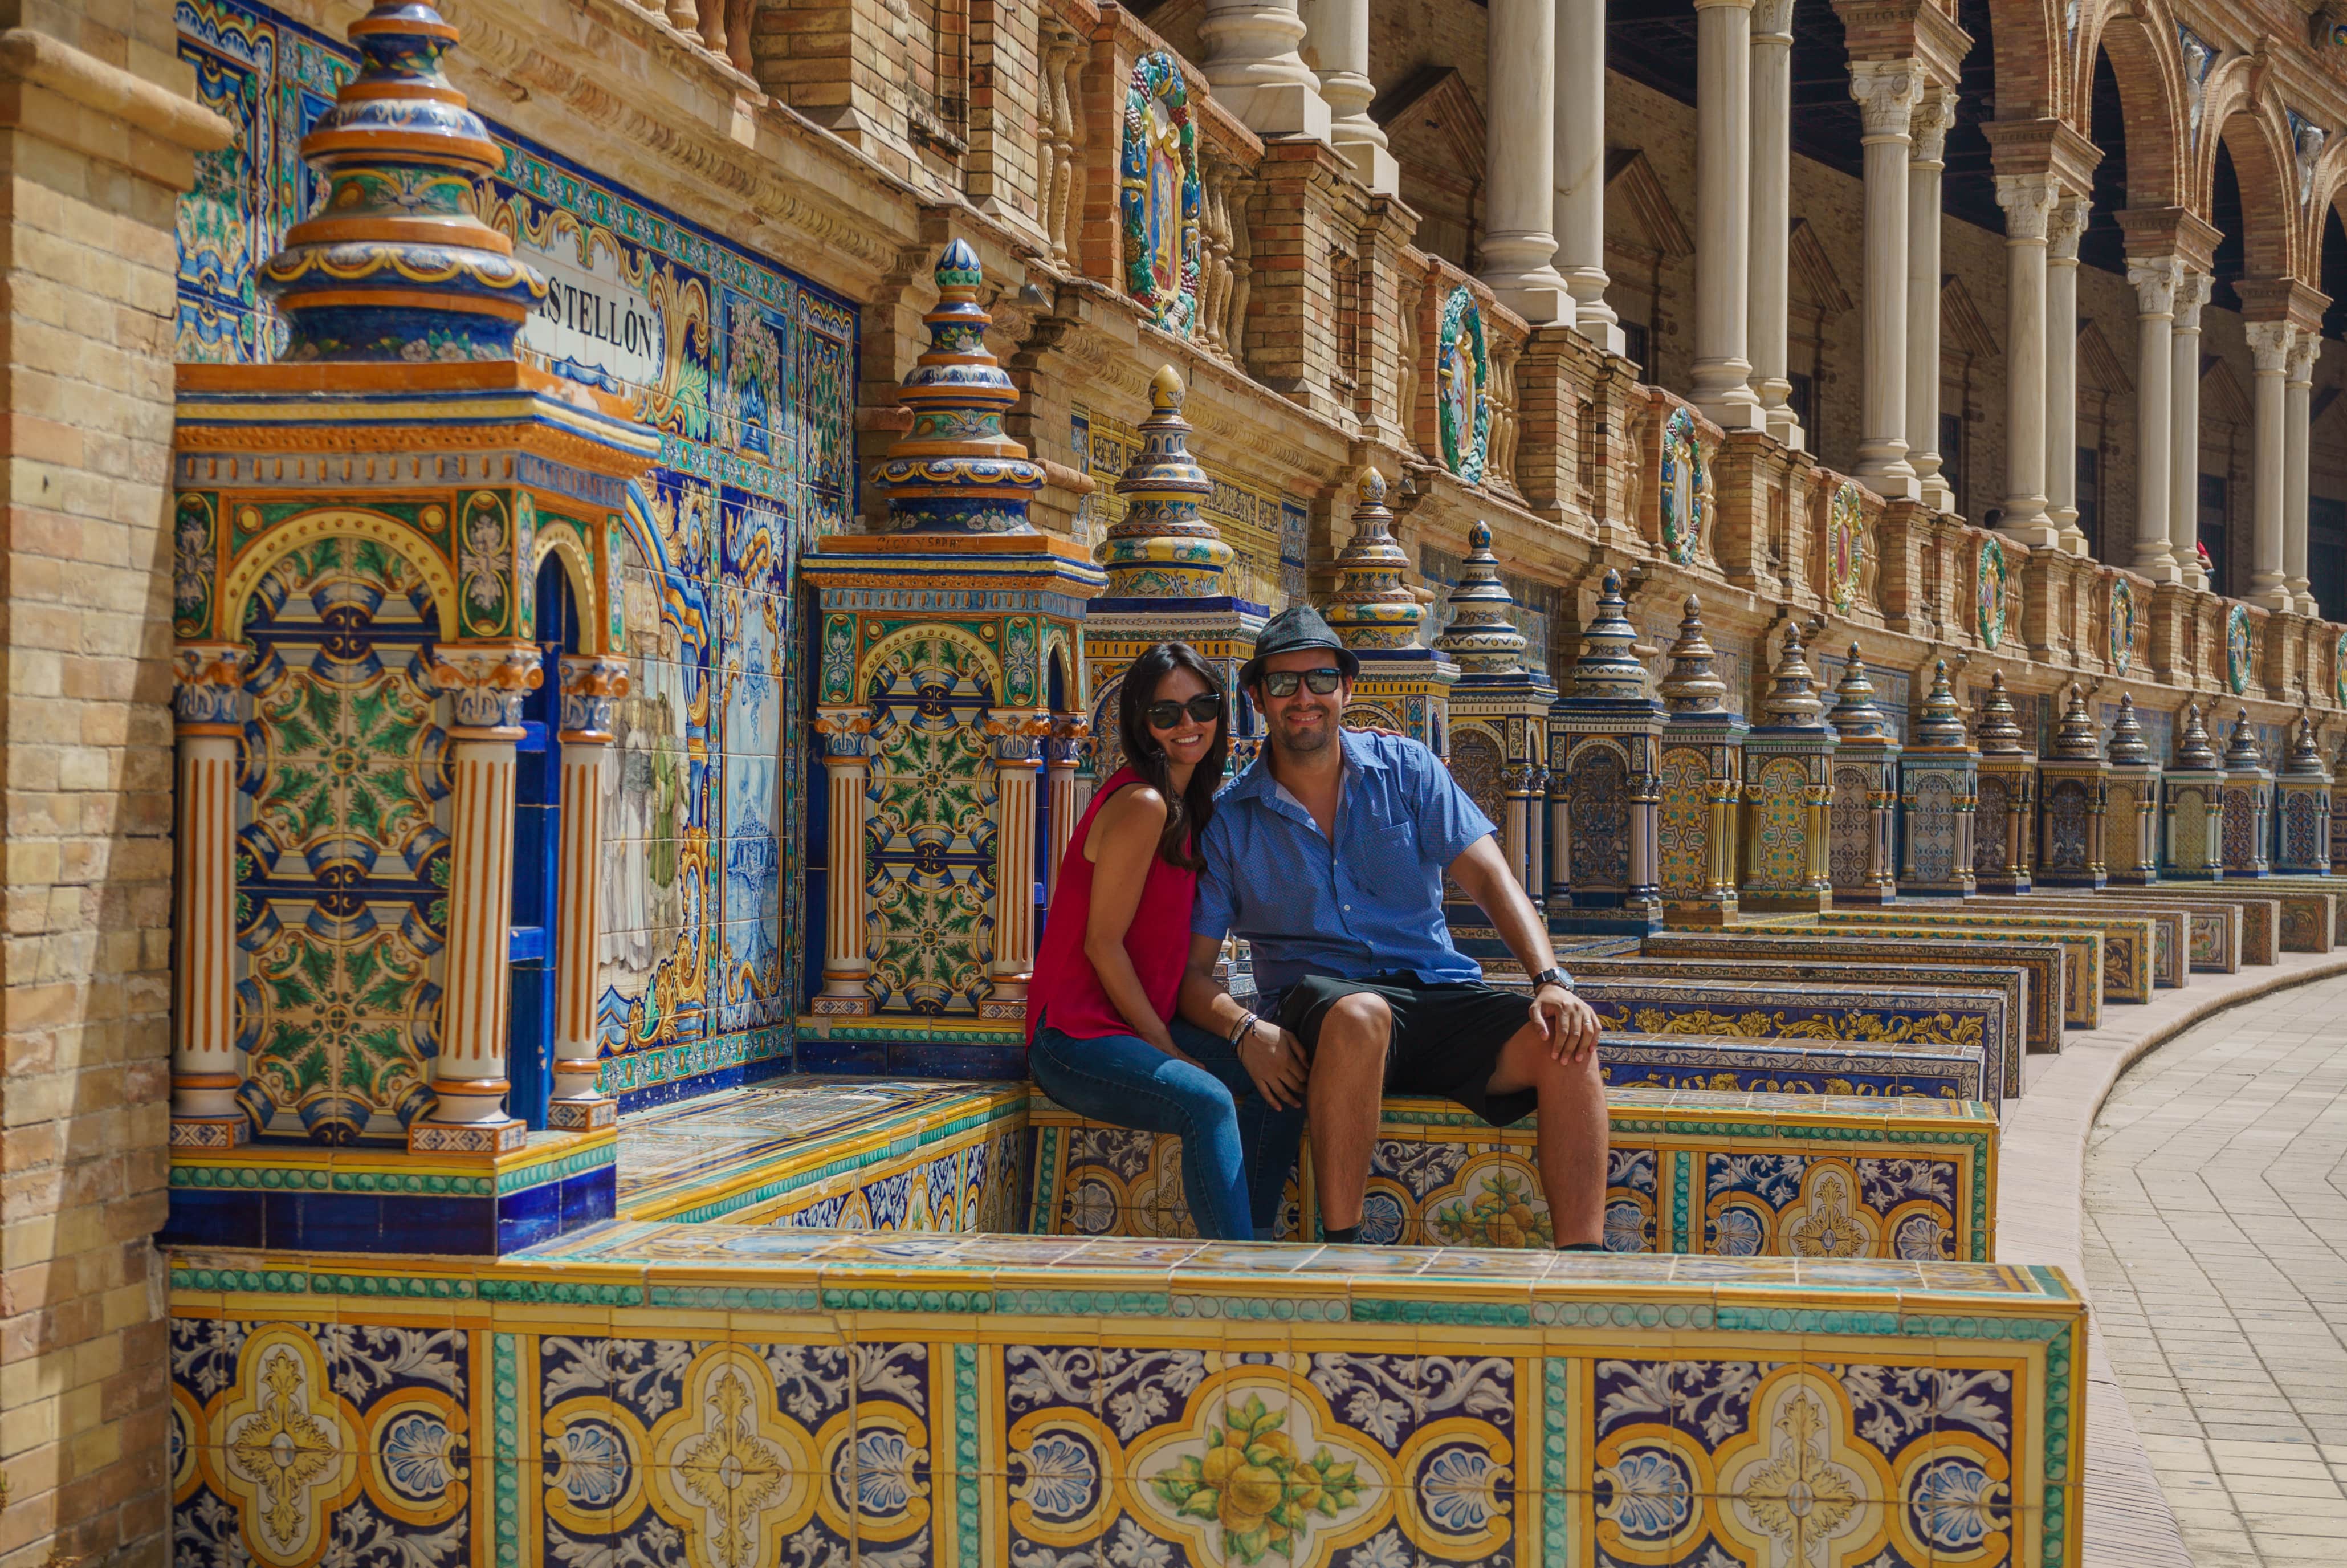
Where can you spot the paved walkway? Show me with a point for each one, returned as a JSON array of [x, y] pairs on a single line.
[[2216, 1256]]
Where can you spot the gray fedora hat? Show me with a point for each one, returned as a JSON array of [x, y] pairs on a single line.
[[1291, 631]]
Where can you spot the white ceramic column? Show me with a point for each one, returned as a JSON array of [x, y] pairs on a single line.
[[207, 1069], [2155, 282], [1723, 223], [1887, 92], [1535, 837], [1253, 65], [2298, 403], [1017, 755], [2063, 233], [1062, 753], [2028, 202], [2269, 347], [1337, 49], [846, 767], [486, 683], [1580, 210], [1927, 163], [2184, 431], [592, 686], [1772, 214], [1519, 251]]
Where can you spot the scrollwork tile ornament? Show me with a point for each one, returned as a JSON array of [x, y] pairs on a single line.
[[592, 690], [2236, 649], [1161, 198], [1683, 488], [1461, 367], [1845, 547], [955, 472], [487, 683], [846, 733], [208, 683]]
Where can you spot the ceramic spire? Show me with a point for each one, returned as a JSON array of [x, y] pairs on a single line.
[[1941, 724], [2305, 759], [955, 472], [396, 263], [1373, 607], [1693, 685], [1998, 734], [2077, 739], [1855, 715], [1608, 670], [1160, 548], [2128, 746], [1793, 702], [1482, 636], [2242, 749], [2192, 748]]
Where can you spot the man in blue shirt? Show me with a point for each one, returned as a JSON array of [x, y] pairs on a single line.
[[1327, 857]]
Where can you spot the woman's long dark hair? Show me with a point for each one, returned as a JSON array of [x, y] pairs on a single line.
[[1185, 814]]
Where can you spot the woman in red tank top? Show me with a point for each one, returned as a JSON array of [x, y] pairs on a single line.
[[1103, 1038]]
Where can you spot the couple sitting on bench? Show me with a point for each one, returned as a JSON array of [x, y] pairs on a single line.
[[1328, 855]]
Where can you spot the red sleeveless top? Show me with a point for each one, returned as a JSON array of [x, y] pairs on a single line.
[[1066, 990]]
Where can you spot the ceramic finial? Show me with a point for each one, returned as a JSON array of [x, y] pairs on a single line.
[[1608, 670], [2193, 751], [1373, 607], [1941, 724], [2305, 760], [1482, 636], [1693, 685], [2077, 739], [1793, 702], [955, 472], [2127, 745], [2241, 748], [1855, 715], [1164, 547], [1998, 734]]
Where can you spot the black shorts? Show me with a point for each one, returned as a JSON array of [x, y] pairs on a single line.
[[1447, 1037]]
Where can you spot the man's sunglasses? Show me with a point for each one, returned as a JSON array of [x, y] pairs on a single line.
[[1205, 707], [1283, 683]]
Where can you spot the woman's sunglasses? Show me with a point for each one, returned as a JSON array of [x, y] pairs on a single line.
[[1282, 682], [1205, 707]]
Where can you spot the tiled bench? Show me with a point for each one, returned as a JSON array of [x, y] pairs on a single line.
[[2171, 939], [2306, 925], [662, 1393], [1693, 1171], [2304, 912], [2260, 938], [2122, 958]]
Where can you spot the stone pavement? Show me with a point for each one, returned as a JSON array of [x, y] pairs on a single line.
[[2215, 1254]]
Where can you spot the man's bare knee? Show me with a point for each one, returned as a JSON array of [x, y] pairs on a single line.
[[1358, 1016]]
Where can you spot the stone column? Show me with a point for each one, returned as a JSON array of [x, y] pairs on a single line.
[[1580, 210], [2184, 431], [592, 689], [1723, 225], [2028, 201], [2155, 282], [486, 683], [1887, 92], [1772, 215], [1062, 753], [1337, 47], [2269, 347], [1518, 252], [206, 1066], [1017, 755], [1926, 165], [2062, 235], [2298, 398], [1254, 67], [846, 767]]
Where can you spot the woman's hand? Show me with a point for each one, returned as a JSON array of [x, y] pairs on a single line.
[[1162, 1039], [1275, 1059]]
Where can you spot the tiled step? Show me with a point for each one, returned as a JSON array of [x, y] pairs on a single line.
[[1691, 1171]]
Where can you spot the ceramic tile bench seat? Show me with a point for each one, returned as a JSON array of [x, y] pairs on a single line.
[[2261, 918], [982, 1401], [2171, 927], [2312, 909], [2116, 967], [1691, 1171]]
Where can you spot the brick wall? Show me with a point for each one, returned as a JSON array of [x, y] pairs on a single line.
[[94, 132]]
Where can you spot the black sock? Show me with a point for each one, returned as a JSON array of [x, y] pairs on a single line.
[[1340, 1232], [1582, 1246]]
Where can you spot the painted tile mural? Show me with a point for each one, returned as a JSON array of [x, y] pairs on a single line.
[[744, 370]]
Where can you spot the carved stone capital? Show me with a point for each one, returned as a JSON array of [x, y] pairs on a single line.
[[2066, 227], [488, 682], [207, 679], [2191, 293], [2156, 280], [1887, 92], [2270, 345], [2303, 356], [592, 686], [1935, 116], [2028, 201]]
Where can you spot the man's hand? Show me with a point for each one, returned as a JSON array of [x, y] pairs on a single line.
[[1567, 1022], [1275, 1059]]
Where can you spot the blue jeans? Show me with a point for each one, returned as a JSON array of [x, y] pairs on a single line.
[[1236, 1148]]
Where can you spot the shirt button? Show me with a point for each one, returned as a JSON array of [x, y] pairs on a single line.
[[1349, 908]]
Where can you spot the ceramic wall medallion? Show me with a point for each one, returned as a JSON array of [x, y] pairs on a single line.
[[2236, 649], [1845, 547], [1161, 200], [1989, 590], [1461, 366], [2122, 627], [1683, 482], [2339, 669]]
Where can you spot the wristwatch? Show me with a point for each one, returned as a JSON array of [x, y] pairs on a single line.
[[1550, 977]]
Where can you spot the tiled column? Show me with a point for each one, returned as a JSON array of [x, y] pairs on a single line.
[[485, 682], [1535, 835], [2155, 282], [1018, 753], [1062, 754], [847, 766], [1723, 206], [2184, 430], [2028, 201], [1255, 70], [1887, 92], [592, 686], [1772, 195], [2298, 402], [1337, 39], [1580, 210], [206, 1072], [1926, 165], [2269, 347], [2063, 233], [1518, 252]]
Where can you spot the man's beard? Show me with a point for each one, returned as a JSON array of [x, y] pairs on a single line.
[[1313, 738]]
